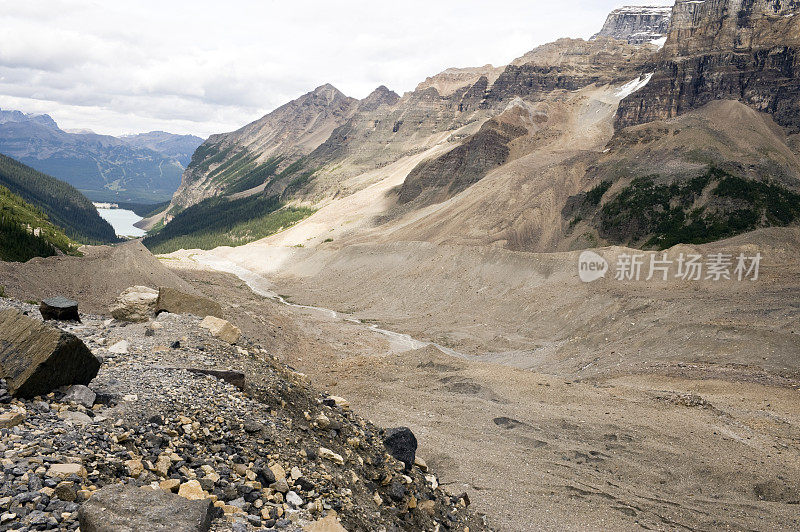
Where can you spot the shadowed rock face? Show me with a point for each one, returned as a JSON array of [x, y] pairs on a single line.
[[725, 49], [446, 176], [569, 64], [36, 358]]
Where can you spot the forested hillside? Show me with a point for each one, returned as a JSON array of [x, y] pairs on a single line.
[[222, 222], [25, 231], [63, 204]]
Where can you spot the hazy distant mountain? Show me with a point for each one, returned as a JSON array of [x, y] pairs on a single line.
[[179, 147], [144, 168]]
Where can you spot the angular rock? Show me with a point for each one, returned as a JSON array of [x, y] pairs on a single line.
[[335, 400], [177, 302], [724, 50], [119, 348], [59, 308], [11, 419], [402, 444], [192, 490], [80, 394], [135, 468], [76, 418], [126, 508], [66, 491], [294, 499], [137, 303], [65, 470], [222, 329], [326, 453], [328, 524], [637, 24], [36, 358]]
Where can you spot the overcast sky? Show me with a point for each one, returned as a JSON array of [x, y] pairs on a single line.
[[205, 67]]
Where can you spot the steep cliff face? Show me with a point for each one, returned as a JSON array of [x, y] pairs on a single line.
[[637, 24], [569, 64], [746, 50], [246, 158], [452, 79]]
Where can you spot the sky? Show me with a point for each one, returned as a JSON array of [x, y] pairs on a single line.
[[200, 67]]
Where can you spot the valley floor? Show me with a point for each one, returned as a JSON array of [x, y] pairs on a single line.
[[571, 406]]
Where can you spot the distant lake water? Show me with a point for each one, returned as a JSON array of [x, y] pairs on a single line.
[[122, 221]]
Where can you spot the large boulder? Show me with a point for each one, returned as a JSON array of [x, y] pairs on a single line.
[[36, 358], [177, 302], [127, 508], [402, 444], [137, 303], [222, 329], [59, 308]]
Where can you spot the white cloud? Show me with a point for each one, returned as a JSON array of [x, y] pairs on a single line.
[[204, 67]]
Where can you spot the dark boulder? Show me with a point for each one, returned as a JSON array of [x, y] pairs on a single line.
[[402, 444], [36, 358], [59, 308], [127, 508]]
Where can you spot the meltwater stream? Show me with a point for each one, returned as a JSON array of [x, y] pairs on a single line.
[[260, 286]]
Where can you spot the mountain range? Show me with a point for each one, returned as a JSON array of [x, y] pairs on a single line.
[[139, 168], [507, 156]]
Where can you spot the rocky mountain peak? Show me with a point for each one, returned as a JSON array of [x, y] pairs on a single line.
[[449, 81], [18, 116], [327, 91], [380, 96], [637, 24]]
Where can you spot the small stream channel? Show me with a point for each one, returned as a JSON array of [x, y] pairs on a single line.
[[261, 287]]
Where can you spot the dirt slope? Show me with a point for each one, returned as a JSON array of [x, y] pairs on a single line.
[[700, 446], [93, 280]]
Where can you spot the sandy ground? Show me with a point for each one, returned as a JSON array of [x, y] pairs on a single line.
[[560, 405], [670, 445]]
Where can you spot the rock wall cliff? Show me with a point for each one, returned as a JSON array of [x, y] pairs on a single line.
[[746, 50], [637, 24]]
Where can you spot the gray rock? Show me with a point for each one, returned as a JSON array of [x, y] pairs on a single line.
[[137, 303], [59, 308], [177, 302], [402, 444], [126, 508], [36, 358], [80, 394], [294, 499]]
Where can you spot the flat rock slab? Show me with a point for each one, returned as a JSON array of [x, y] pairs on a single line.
[[59, 308], [36, 358], [222, 329], [177, 302], [127, 508]]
